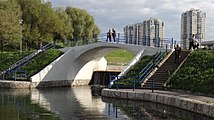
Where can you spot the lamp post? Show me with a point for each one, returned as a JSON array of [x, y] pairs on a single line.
[[20, 21], [124, 63], [1, 42]]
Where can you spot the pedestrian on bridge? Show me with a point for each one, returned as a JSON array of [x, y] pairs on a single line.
[[114, 34], [109, 34]]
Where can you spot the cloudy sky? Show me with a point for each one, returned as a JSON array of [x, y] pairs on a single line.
[[119, 13]]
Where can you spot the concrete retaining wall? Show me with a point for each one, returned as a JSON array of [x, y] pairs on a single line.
[[176, 101], [28, 85]]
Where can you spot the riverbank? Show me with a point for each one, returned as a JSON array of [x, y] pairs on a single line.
[[9, 84], [194, 103]]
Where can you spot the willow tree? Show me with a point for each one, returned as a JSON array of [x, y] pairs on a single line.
[[83, 24], [65, 29]]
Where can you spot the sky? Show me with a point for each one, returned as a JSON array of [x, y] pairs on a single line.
[[119, 13]]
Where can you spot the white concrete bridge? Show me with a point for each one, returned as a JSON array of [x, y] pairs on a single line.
[[77, 64]]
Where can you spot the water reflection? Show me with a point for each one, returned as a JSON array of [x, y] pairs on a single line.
[[77, 103], [144, 110], [17, 105]]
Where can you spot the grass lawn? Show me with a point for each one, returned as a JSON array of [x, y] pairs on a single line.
[[119, 57]]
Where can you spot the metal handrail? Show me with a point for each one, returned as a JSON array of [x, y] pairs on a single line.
[[118, 78], [150, 66], [144, 73], [27, 58]]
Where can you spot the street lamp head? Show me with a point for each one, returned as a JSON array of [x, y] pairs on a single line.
[[20, 21]]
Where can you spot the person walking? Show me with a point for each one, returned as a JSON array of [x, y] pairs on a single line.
[[191, 42], [177, 54], [114, 34], [41, 46], [109, 34]]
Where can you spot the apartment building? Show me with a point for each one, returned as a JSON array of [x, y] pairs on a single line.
[[192, 22], [149, 33]]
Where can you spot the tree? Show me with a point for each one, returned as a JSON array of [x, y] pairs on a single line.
[[31, 10], [83, 24], [67, 28], [9, 24]]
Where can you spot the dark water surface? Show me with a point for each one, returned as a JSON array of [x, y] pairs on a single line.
[[77, 103]]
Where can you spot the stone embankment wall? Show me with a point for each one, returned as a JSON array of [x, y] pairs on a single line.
[[28, 85], [176, 101]]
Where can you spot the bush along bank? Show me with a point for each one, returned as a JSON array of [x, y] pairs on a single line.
[[38, 63], [196, 74]]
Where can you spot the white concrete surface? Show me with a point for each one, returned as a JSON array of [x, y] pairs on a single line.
[[76, 61]]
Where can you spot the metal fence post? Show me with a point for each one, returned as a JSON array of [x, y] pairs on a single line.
[[134, 84], [15, 75], [19, 65], [25, 74], [117, 82], [172, 43], [2, 75], [153, 85], [118, 39]]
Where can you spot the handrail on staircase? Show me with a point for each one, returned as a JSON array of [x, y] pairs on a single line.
[[150, 66], [25, 59]]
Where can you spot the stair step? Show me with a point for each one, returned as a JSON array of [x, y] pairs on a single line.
[[162, 74], [155, 83]]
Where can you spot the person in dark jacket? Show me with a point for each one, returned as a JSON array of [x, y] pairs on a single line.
[[109, 34], [114, 34], [177, 54]]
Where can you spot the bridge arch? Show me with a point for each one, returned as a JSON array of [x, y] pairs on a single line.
[[78, 63]]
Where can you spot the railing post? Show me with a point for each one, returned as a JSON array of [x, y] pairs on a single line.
[[15, 75], [134, 84], [109, 81], [118, 39], [172, 43], [166, 48], [25, 74], [117, 82], [153, 83], [9, 71], [19, 65], [2, 75]]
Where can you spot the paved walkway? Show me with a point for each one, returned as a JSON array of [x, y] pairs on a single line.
[[193, 96]]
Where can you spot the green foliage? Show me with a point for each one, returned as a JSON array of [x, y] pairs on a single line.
[[119, 57], [39, 62], [133, 73], [196, 74], [9, 24], [82, 23], [9, 58], [42, 23], [127, 80]]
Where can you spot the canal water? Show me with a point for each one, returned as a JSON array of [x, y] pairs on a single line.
[[77, 103]]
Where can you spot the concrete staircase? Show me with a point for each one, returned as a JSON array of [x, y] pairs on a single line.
[[164, 72]]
